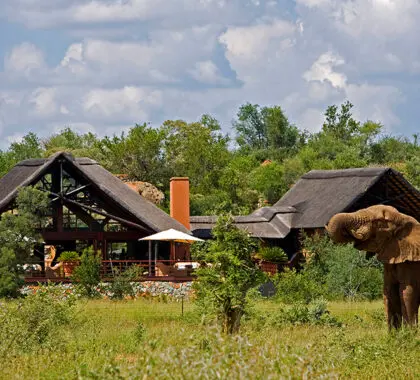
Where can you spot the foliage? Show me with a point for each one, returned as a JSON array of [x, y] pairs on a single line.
[[69, 256], [99, 342], [292, 286], [273, 254], [343, 270], [121, 286], [32, 323], [265, 130], [270, 154], [331, 271], [139, 154], [88, 273], [18, 236], [196, 150], [223, 284], [313, 313], [268, 180]]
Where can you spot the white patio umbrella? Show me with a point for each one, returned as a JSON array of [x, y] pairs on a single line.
[[171, 235]]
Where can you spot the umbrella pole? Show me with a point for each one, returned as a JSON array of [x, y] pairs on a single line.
[[150, 258], [156, 252]]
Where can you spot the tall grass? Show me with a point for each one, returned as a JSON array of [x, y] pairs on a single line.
[[150, 340]]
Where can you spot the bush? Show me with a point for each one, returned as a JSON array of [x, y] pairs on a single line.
[[292, 286], [121, 285], [222, 287], [69, 256], [273, 254], [10, 281], [314, 313], [343, 271], [88, 274], [140, 332], [34, 321]]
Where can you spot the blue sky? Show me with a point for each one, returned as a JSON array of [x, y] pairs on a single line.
[[104, 65]]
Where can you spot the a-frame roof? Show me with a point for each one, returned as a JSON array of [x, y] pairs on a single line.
[[320, 194], [145, 213]]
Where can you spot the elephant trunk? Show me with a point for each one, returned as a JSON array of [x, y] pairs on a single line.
[[338, 228]]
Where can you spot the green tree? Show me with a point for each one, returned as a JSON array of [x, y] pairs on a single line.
[[28, 147], [18, 235], [235, 182], [80, 145], [341, 124], [223, 285], [265, 131], [139, 153], [88, 273], [268, 180], [196, 150]]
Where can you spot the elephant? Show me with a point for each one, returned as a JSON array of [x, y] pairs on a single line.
[[395, 239]]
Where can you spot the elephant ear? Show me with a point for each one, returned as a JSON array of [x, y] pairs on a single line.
[[403, 239]]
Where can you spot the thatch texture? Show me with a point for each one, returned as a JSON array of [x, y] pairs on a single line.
[[145, 213], [320, 194], [267, 222]]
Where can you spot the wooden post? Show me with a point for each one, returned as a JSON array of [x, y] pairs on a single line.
[[150, 258]]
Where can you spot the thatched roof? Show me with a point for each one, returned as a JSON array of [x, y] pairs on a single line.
[[320, 194], [267, 222], [145, 213]]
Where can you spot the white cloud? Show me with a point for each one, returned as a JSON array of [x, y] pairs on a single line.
[[43, 101], [375, 103], [24, 59], [314, 3], [207, 72], [116, 72], [128, 102], [252, 42], [322, 70]]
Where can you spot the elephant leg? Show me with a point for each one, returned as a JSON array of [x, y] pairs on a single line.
[[393, 306], [409, 304]]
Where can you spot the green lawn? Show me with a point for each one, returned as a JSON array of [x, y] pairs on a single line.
[[145, 339]]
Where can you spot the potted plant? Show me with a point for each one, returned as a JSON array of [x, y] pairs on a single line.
[[70, 260]]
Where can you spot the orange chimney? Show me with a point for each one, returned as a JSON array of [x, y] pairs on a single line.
[[180, 200]]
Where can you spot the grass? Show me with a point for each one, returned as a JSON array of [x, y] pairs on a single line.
[[144, 339]]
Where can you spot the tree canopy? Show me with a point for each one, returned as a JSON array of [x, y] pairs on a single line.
[[252, 166]]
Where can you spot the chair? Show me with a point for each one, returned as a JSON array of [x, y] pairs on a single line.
[[52, 271], [169, 270]]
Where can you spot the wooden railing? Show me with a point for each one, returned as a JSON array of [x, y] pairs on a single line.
[[110, 268]]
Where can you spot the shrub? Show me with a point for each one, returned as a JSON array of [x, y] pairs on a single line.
[[292, 286], [34, 321], [18, 236], [314, 313], [69, 256], [222, 287], [87, 274], [121, 286], [273, 254], [10, 281], [140, 332], [344, 272]]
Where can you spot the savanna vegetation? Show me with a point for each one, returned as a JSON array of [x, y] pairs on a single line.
[[325, 320], [233, 168], [56, 338]]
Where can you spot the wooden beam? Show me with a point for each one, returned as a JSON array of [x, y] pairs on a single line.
[[104, 213]]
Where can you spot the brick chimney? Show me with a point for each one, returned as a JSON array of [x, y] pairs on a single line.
[[180, 200]]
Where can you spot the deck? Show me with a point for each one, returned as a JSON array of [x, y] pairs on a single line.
[[159, 270]]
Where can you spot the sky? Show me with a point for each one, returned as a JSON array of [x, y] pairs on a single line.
[[104, 65]]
